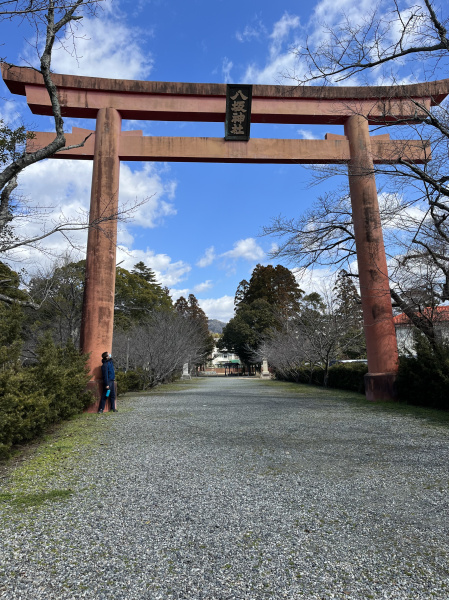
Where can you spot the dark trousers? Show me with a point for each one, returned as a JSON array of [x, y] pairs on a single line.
[[111, 396]]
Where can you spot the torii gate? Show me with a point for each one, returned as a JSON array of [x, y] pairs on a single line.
[[110, 100]]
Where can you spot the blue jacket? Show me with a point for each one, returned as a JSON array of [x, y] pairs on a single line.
[[107, 370]]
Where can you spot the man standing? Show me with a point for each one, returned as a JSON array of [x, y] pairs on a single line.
[[107, 370]]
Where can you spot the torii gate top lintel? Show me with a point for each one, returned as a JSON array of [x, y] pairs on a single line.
[[84, 96]]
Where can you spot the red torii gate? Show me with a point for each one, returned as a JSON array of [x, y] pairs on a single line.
[[110, 100]]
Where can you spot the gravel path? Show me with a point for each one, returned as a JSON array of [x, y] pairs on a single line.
[[241, 489]]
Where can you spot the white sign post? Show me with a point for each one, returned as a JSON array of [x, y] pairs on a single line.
[[185, 371], [265, 372]]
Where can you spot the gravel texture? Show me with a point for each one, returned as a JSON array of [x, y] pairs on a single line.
[[240, 489]]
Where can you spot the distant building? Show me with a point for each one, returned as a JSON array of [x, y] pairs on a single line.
[[405, 329], [223, 361]]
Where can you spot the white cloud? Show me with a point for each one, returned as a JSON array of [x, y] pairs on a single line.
[[247, 249], [332, 13], [280, 58], [146, 185], [306, 134], [167, 273], [71, 184], [331, 16], [251, 32], [208, 258], [176, 294], [202, 287], [104, 47], [282, 28], [226, 70], [315, 279], [218, 308], [9, 113], [68, 199]]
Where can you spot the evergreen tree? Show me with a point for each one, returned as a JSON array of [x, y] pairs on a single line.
[[61, 297], [145, 272], [11, 317], [137, 294], [271, 293], [349, 304], [182, 306], [191, 309], [240, 294], [245, 332], [349, 311], [312, 302], [276, 285]]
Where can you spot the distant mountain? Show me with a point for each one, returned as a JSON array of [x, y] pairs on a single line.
[[215, 326]]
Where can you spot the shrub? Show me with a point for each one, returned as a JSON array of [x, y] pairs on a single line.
[[348, 376], [11, 318], [25, 409], [303, 375], [62, 374], [131, 381], [122, 382], [424, 379], [31, 398]]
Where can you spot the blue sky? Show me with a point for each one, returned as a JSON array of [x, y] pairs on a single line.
[[200, 228]]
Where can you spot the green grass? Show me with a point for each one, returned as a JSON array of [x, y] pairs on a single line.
[[175, 386], [47, 470], [433, 415], [22, 499]]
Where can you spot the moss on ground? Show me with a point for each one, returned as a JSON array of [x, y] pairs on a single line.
[[434, 416], [23, 499], [175, 386], [47, 470]]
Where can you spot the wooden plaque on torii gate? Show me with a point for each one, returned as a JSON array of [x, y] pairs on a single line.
[[111, 100]]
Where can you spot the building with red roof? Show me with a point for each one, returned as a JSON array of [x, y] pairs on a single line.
[[405, 330]]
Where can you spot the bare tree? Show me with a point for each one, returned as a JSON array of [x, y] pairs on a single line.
[[416, 241], [415, 212], [388, 38], [319, 334], [404, 31], [415, 217], [160, 346], [285, 351], [50, 19]]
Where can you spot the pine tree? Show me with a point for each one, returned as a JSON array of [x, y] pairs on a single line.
[[349, 311], [349, 304], [145, 272], [240, 294], [276, 285], [192, 310], [271, 292], [182, 306]]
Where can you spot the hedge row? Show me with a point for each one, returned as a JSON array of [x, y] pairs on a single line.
[[343, 376], [422, 379], [131, 381], [137, 380], [32, 398]]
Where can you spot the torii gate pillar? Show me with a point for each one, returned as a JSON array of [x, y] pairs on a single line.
[[98, 304], [378, 322]]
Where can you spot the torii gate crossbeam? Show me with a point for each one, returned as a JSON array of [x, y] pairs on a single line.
[[110, 100]]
